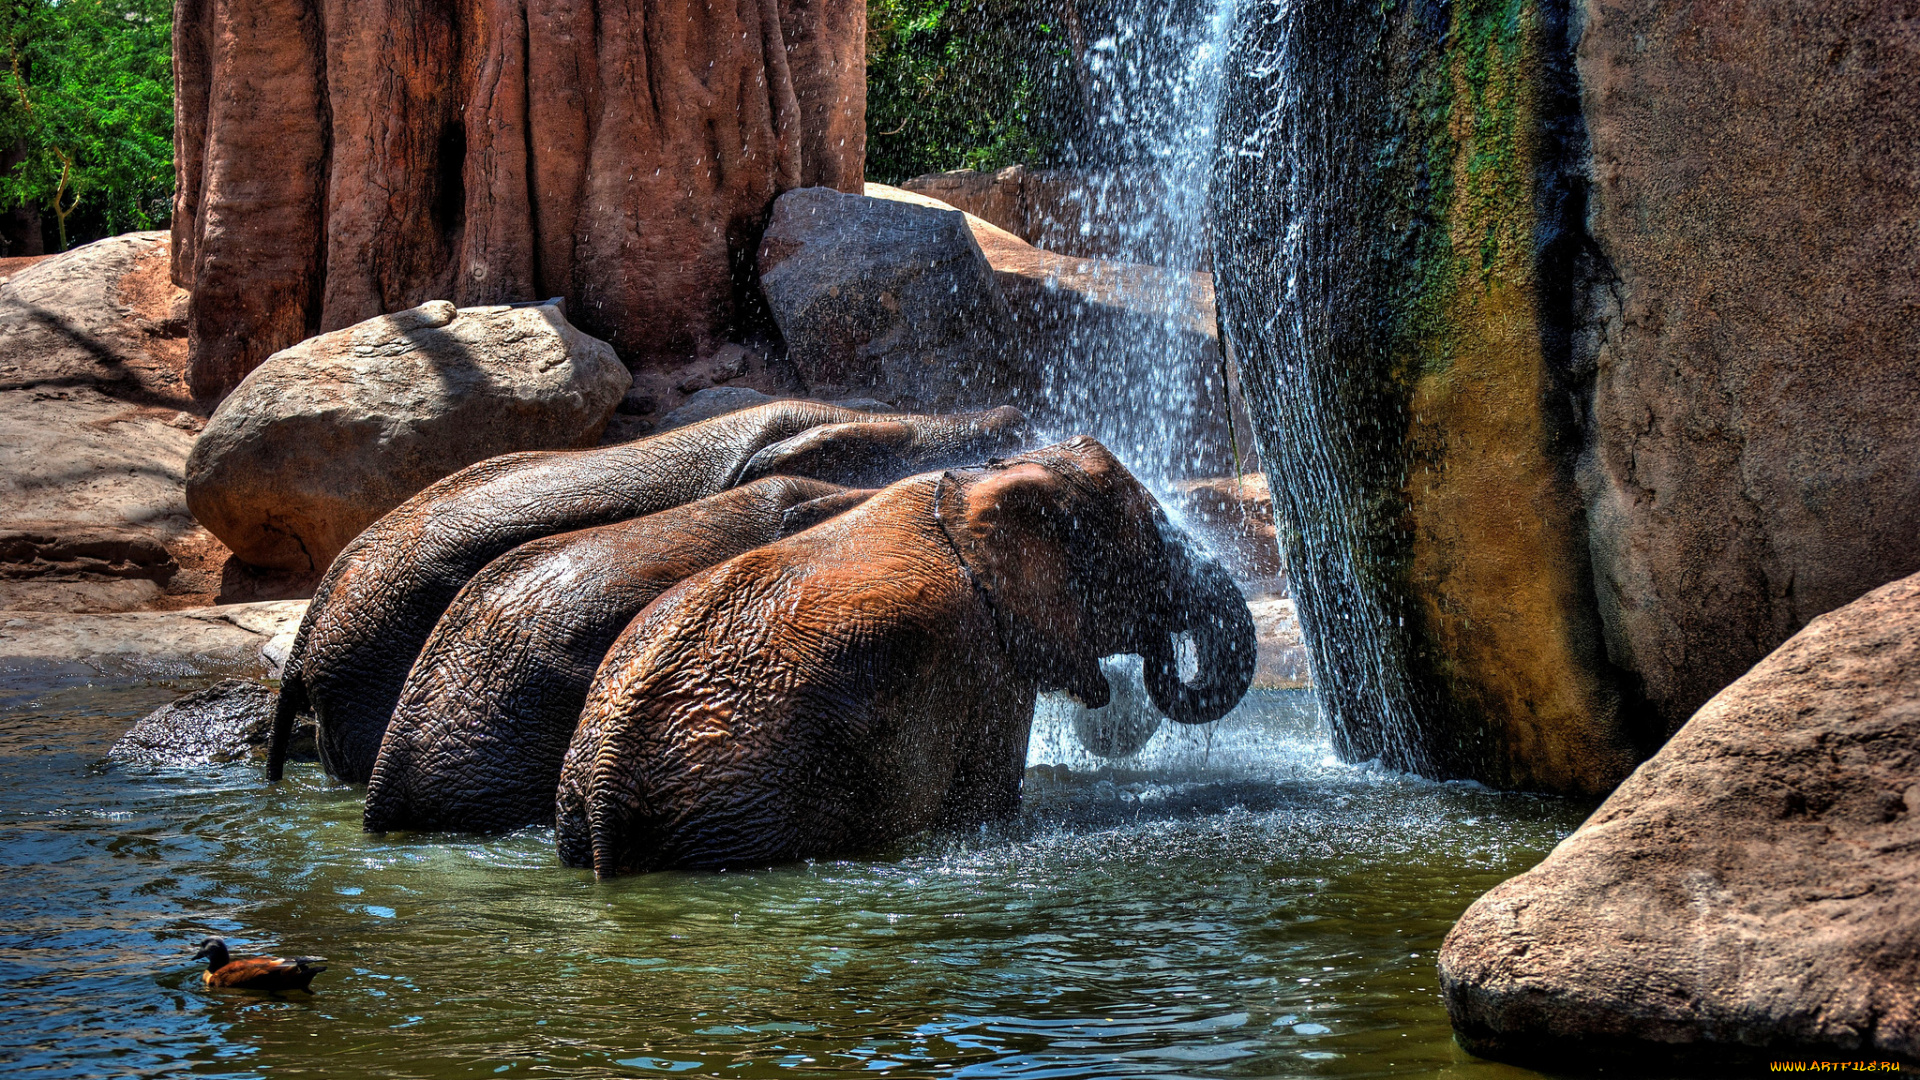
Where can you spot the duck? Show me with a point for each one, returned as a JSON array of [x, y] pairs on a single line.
[[256, 972]]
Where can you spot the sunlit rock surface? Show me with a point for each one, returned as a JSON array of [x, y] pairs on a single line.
[[1086, 326], [41, 650], [1753, 450], [1754, 887], [338, 161], [325, 437]]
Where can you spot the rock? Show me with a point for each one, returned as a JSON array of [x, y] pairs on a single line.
[[327, 436], [1084, 325], [1233, 516], [92, 446], [1283, 662], [1753, 891], [46, 650], [228, 721], [888, 299], [1754, 457], [1588, 335], [711, 402], [1396, 277], [339, 161], [1108, 215]]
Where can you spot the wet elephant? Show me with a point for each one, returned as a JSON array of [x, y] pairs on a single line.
[[381, 597], [484, 718], [873, 676]]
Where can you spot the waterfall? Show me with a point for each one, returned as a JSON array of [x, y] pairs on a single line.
[[1145, 379], [1297, 275]]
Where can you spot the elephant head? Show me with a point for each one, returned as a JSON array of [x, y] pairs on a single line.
[[1079, 562]]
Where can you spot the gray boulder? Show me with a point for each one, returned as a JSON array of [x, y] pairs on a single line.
[[1752, 890], [323, 438], [888, 299], [228, 721]]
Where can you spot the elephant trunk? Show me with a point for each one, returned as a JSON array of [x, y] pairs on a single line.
[[1215, 614]]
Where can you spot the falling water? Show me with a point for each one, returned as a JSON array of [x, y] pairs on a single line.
[[1288, 198], [1145, 378]]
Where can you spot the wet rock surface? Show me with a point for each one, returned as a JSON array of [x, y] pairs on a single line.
[[887, 299], [1754, 888], [327, 436], [228, 721], [1087, 317]]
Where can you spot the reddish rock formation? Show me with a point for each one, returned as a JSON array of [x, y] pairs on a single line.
[[338, 161]]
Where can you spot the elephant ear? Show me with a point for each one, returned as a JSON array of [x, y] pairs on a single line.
[[1011, 531], [803, 516], [859, 453]]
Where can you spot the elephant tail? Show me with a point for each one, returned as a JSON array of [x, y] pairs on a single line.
[[291, 702]]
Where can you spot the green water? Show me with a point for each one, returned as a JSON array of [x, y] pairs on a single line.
[[1238, 906]]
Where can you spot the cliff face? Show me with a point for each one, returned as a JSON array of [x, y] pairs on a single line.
[[1752, 455], [338, 161], [1531, 298]]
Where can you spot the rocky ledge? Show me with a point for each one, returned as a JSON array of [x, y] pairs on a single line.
[[1753, 890], [42, 650]]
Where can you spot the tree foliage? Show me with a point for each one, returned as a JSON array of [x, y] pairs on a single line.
[[86, 106], [965, 84]]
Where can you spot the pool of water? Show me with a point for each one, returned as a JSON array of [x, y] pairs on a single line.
[[1235, 904]]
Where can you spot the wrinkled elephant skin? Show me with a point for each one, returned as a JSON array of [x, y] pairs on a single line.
[[377, 603], [874, 676], [485, 716]]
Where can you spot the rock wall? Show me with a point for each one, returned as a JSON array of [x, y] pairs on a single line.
[[338, 160], [1389, 272], [1753, 447], [1583, 341]]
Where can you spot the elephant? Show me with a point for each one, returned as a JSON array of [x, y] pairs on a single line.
[[383, 593], [842, 688], [484, 718]]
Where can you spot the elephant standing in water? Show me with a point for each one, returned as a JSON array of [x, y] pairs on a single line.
[[487, 711], [381, 597], [876, 675]]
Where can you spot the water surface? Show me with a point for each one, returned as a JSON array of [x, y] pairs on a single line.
[[1235, 905]]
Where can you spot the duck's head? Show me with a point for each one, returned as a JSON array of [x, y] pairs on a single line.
[[214, 951]]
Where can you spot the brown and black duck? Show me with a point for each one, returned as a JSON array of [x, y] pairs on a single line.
[[256, 972]]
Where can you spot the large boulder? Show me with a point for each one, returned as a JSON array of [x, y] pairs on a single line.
[[94, 430], [325, 437], [1088, 328], [888, 299], [1105, 214], [1753, 889], [337, 161]]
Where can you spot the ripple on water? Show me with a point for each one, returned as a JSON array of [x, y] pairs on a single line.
[[1231, 903]]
